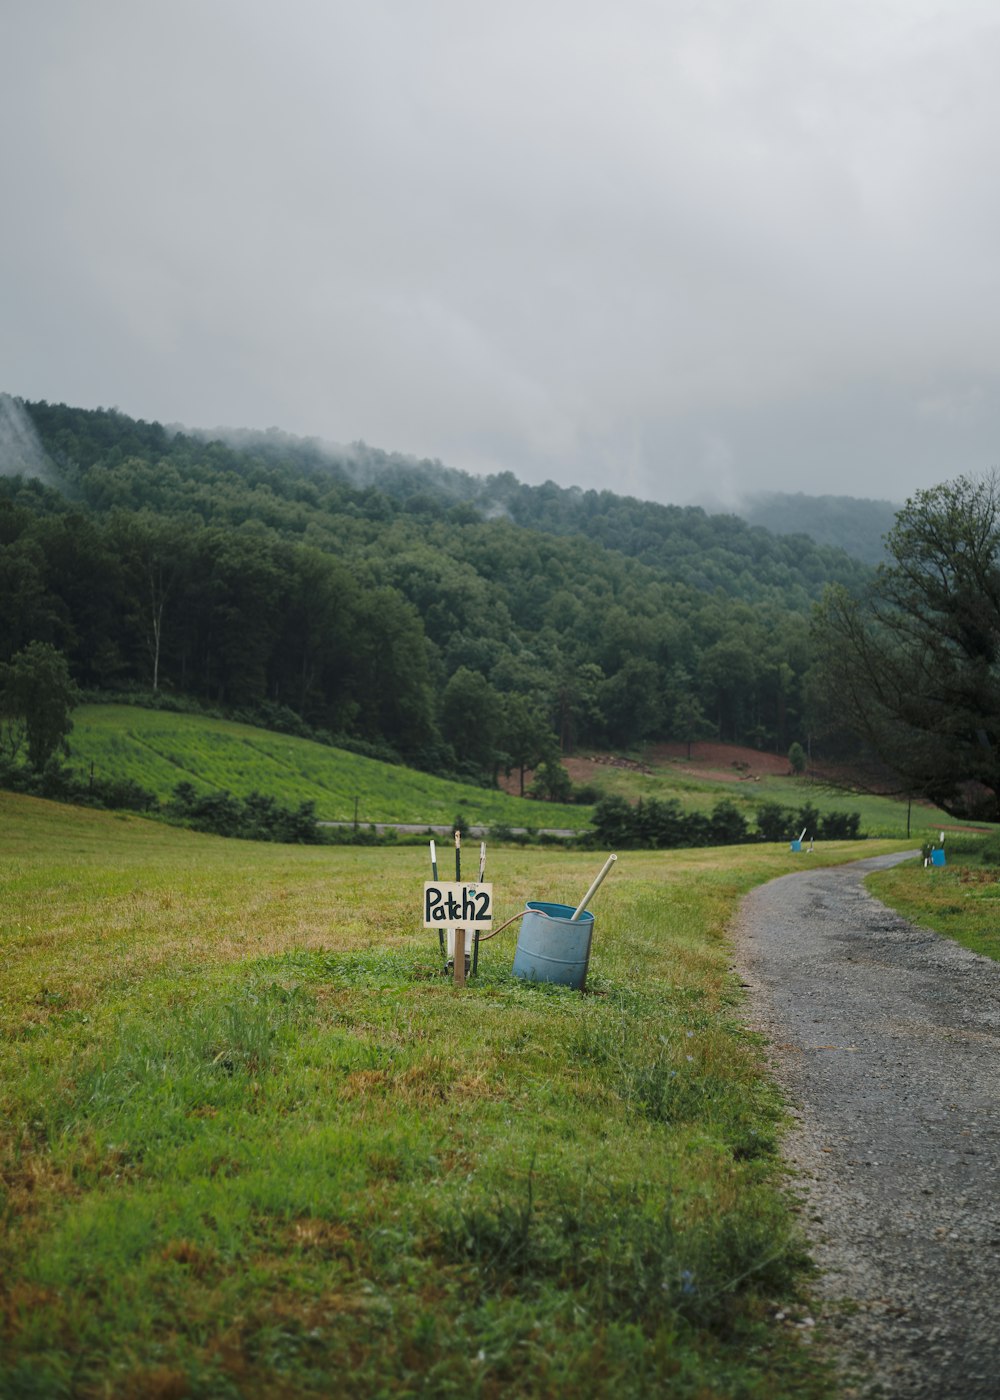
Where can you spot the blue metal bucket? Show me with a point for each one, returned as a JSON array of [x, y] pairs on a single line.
[[937, 857], [552, 946]]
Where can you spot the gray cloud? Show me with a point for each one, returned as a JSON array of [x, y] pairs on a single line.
[[673, 248]]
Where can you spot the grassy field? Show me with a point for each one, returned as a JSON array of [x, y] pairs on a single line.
[[960, 900], [253, 1144], [159, 750]]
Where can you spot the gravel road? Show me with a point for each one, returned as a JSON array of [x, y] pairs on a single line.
[[885, 1038]]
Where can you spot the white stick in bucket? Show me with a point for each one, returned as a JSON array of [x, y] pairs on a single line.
[[590, 893]]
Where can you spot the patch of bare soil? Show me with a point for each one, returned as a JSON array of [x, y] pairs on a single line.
[[724, 763], [721, 763], [711, 762]]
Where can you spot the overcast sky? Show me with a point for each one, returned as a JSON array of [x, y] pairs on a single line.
[[671, 247]]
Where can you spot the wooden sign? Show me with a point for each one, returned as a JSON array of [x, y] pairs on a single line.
[[457, 905]]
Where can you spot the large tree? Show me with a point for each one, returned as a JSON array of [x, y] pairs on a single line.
[[37, 696], [913, 665]]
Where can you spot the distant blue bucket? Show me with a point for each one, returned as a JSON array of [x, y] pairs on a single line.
[[796, 845], [937, 858], [553, 946]]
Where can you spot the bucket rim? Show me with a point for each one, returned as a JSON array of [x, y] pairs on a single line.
[[541, 907]]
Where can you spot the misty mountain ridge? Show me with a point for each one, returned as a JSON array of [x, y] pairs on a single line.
[[853, 524], [856, 525]]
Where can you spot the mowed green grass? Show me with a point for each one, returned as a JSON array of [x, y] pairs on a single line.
[[960, 900], [253, 1144], [160, 750]]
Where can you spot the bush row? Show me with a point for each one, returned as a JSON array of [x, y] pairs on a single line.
[[62, 785], [657, 824], [254, 818]]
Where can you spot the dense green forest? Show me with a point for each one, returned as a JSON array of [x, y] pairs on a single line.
[[458, 622]]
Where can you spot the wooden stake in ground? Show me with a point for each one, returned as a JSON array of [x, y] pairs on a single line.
[[475, 936], [459, 932]]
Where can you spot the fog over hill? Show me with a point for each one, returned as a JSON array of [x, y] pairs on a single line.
[[21, 451], [855, 525]]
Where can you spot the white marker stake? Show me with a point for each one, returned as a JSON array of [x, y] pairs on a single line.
[[459, 980], [590, 893], [482, 860], [802, 835]]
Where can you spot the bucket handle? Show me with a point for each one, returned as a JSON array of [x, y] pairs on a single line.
[[593, 889]]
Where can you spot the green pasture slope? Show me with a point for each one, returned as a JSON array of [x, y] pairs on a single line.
[[253, 1144], [159, 750]]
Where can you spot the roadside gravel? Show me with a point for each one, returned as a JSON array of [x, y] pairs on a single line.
[[885, 1038]]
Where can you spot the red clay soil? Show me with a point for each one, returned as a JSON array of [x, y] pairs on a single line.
[[722, 763]]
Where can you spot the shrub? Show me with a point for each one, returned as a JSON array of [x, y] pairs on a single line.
[[613, 821], [840, 826], [989, 849], [552, 782], [727, 824], [797, 758], [774, 822]]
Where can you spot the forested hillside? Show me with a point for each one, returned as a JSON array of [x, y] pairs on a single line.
[[857, 526], [459, 622]]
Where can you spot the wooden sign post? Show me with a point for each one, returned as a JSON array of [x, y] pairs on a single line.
[[459, 963], [459, 907]]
